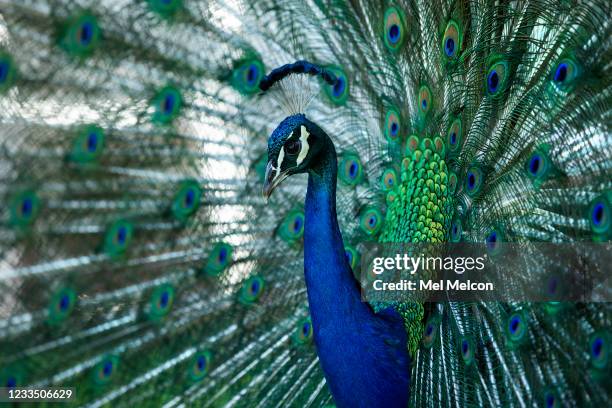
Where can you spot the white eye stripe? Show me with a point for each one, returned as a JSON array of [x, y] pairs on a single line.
[[304, 139], [279, 162], [301, 156]]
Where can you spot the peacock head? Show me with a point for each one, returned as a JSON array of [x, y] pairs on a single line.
[[293, 147]]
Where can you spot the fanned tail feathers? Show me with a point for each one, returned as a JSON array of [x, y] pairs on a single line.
[[140, 264]]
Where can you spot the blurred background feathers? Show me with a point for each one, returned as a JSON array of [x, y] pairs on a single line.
[[140, 264]]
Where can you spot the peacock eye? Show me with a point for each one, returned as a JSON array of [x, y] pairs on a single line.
[[293, 147], [451, 41], [564, 73]]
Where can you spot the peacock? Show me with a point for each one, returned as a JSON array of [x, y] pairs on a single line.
[[140, 264]]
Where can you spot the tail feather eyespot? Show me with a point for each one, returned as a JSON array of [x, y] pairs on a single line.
[[394, 29]]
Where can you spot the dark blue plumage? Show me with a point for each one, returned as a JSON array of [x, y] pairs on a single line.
[[364, 355]]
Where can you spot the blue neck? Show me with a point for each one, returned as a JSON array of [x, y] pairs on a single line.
[[363, 355], [325, 264]]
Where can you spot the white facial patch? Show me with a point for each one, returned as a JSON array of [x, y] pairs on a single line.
[[303, 152], [281, 156], [304, 139]]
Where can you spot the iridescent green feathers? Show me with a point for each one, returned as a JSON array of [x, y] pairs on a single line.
[[132, 141], [506, 106], [7, 71]]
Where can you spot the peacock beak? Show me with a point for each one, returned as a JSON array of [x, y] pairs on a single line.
[[273, 178]]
